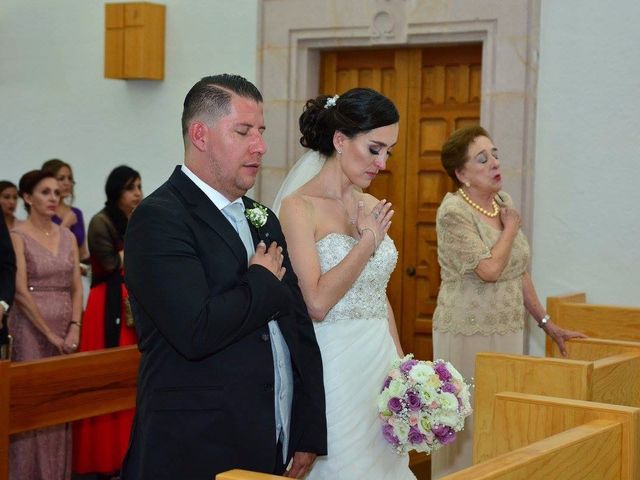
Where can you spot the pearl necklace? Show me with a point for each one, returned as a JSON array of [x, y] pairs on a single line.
[[496, 207]]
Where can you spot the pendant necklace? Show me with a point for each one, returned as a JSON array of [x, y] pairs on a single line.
[[46, 234]]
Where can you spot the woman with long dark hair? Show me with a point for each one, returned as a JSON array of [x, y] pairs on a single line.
[[100, 442], [8, 203]]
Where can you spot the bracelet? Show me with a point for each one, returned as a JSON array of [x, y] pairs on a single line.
[[75, 322], [375, 238], [544, 320]]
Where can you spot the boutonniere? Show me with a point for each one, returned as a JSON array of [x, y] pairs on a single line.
[[257, 215]]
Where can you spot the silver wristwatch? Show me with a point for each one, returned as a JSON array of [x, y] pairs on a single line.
[[544, 320]]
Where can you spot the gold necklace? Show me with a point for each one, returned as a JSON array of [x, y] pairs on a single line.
[[496, 207], [42, 229]]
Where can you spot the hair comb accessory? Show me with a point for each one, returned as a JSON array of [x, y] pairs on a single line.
[[331, 101]]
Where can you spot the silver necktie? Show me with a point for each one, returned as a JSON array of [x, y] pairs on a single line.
[[240, 223]]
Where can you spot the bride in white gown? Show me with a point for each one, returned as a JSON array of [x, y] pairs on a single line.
[[337, 242]]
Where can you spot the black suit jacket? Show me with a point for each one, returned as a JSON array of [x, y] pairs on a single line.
[[205, 388], [7, 274]]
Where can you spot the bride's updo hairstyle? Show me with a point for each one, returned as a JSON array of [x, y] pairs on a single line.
[[357, 111]]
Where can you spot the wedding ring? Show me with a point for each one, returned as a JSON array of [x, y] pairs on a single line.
[[74, 345]]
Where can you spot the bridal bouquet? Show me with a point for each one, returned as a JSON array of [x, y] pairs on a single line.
[[422, 405]]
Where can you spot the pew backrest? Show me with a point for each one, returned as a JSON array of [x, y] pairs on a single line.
[[246, 475], [61, 389], [589, 451], [536, 437], [613, 380], [599, 321]]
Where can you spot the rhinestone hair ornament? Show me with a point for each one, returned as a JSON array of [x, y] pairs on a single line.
[[331, 101]]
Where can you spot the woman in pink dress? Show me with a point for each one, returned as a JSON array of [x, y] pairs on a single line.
[[45, 318]]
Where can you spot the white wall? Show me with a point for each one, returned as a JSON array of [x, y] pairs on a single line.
[[586, 234], [55, 101]]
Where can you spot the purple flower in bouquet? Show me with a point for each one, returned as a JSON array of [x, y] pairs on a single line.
[[386, 383], [387, 433], [449, 388], [415, 436], [395, 405], [442, 371], [413, 401], [444, 434], [408, 365]]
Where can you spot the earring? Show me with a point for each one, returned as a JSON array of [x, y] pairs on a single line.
[[339, 152], [467, 184]]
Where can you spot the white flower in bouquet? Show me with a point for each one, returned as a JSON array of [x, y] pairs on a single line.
[[421, 373], [448, 401], [397, 388], [401, 430]]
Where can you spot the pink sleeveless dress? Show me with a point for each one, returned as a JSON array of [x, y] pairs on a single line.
[[43, 454]]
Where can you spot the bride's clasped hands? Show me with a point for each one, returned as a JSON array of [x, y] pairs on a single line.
[[376, 223]]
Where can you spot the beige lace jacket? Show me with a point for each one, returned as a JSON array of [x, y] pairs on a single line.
[[466, 304]]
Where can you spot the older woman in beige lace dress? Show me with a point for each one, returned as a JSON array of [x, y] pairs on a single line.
[[486, 289]]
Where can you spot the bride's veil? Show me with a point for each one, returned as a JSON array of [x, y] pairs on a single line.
[[307, 166]]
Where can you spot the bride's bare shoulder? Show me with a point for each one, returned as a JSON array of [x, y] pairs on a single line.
[[296, 203]]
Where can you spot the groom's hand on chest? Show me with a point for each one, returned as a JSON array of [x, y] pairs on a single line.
[[270, 258]]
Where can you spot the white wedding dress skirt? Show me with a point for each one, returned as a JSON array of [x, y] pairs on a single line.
[[357, 350]]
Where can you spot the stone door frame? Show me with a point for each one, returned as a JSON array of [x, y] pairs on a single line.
[[293, 32]]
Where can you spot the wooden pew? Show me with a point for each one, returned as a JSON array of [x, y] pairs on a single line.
[[245, 475], [599, 321], [61, 389], [545, 438], [536, 437], [612, 379]]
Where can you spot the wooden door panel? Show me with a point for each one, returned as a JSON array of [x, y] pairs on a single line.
[[446, 82]]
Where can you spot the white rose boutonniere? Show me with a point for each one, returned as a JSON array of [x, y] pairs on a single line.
[[257, 215]]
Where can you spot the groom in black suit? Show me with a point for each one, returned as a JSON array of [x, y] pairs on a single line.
[[231, 374]]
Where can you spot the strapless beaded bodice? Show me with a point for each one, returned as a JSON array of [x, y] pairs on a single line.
[[367, 298]]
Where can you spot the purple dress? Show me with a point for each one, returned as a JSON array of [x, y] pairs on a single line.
[[43, 454], [77, 228]]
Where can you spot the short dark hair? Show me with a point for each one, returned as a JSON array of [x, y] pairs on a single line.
[[211, 97], [4, 184], [357, 111], [454, 150], [29, 181]]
